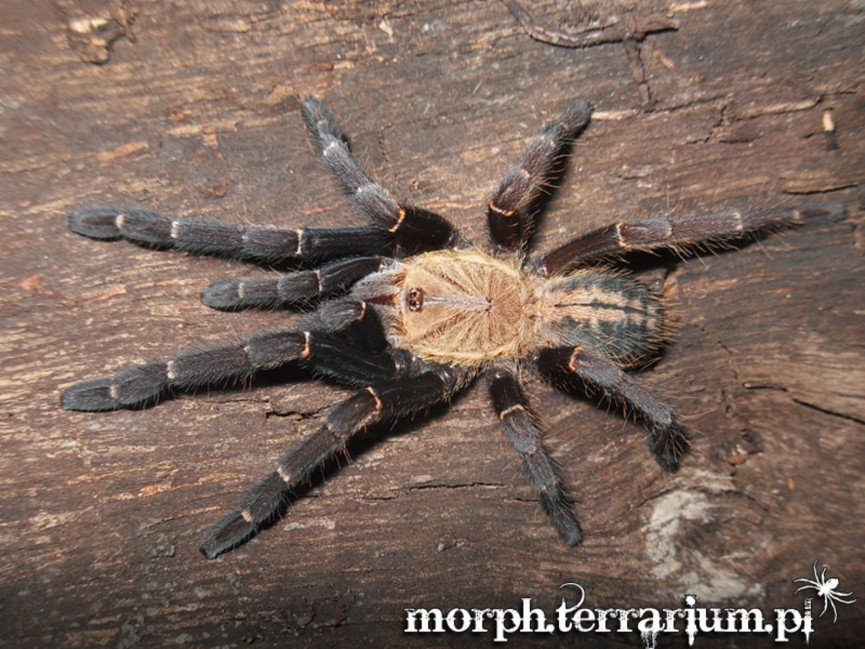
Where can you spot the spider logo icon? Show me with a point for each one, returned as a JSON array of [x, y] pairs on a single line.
[[826, 588]]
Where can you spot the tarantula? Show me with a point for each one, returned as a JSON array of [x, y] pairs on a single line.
[[410, 314]]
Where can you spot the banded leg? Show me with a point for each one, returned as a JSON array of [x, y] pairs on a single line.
[[414, 229], [143, 384], [510, 210], [522, 430], [267, 500], [667, 441], [277, 292], [208, 237], [648, 233]]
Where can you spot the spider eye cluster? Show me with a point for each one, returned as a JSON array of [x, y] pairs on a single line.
[[415, 299]]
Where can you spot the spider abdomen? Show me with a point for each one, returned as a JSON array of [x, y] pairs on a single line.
[[610, 312]]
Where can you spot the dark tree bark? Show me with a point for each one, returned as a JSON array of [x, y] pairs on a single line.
[[193, 109]]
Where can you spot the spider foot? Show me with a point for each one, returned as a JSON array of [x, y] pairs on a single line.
[[227, 533], [668, 445], [89, 396], [558, 508], [138, 385], [96, 223]]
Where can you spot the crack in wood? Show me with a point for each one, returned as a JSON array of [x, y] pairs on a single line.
[[827, 411], [610, 28]]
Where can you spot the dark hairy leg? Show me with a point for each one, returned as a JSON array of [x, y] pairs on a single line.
[[652, 232], [205, 236], [413, 229], [523, 432], [291, 288], [377, 402], [144, 384], [510, 210], [667, 440]]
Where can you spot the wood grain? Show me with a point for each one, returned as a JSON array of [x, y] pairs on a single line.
[[195, 111]]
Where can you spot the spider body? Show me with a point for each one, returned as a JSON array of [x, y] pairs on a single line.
[[409, 313], [469, 308]]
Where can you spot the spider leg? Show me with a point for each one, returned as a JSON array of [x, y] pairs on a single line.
[[209, 237], [414, 229], [358, 355], [379, 401], [811, 584], [522, 430], [667, 441], [510, 210], [291, 288], [838, 597], [142, 384], [651, 232]]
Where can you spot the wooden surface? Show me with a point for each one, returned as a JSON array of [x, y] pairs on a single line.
[[192, 109]]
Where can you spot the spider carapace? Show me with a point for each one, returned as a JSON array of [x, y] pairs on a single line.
[[410, 313]]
